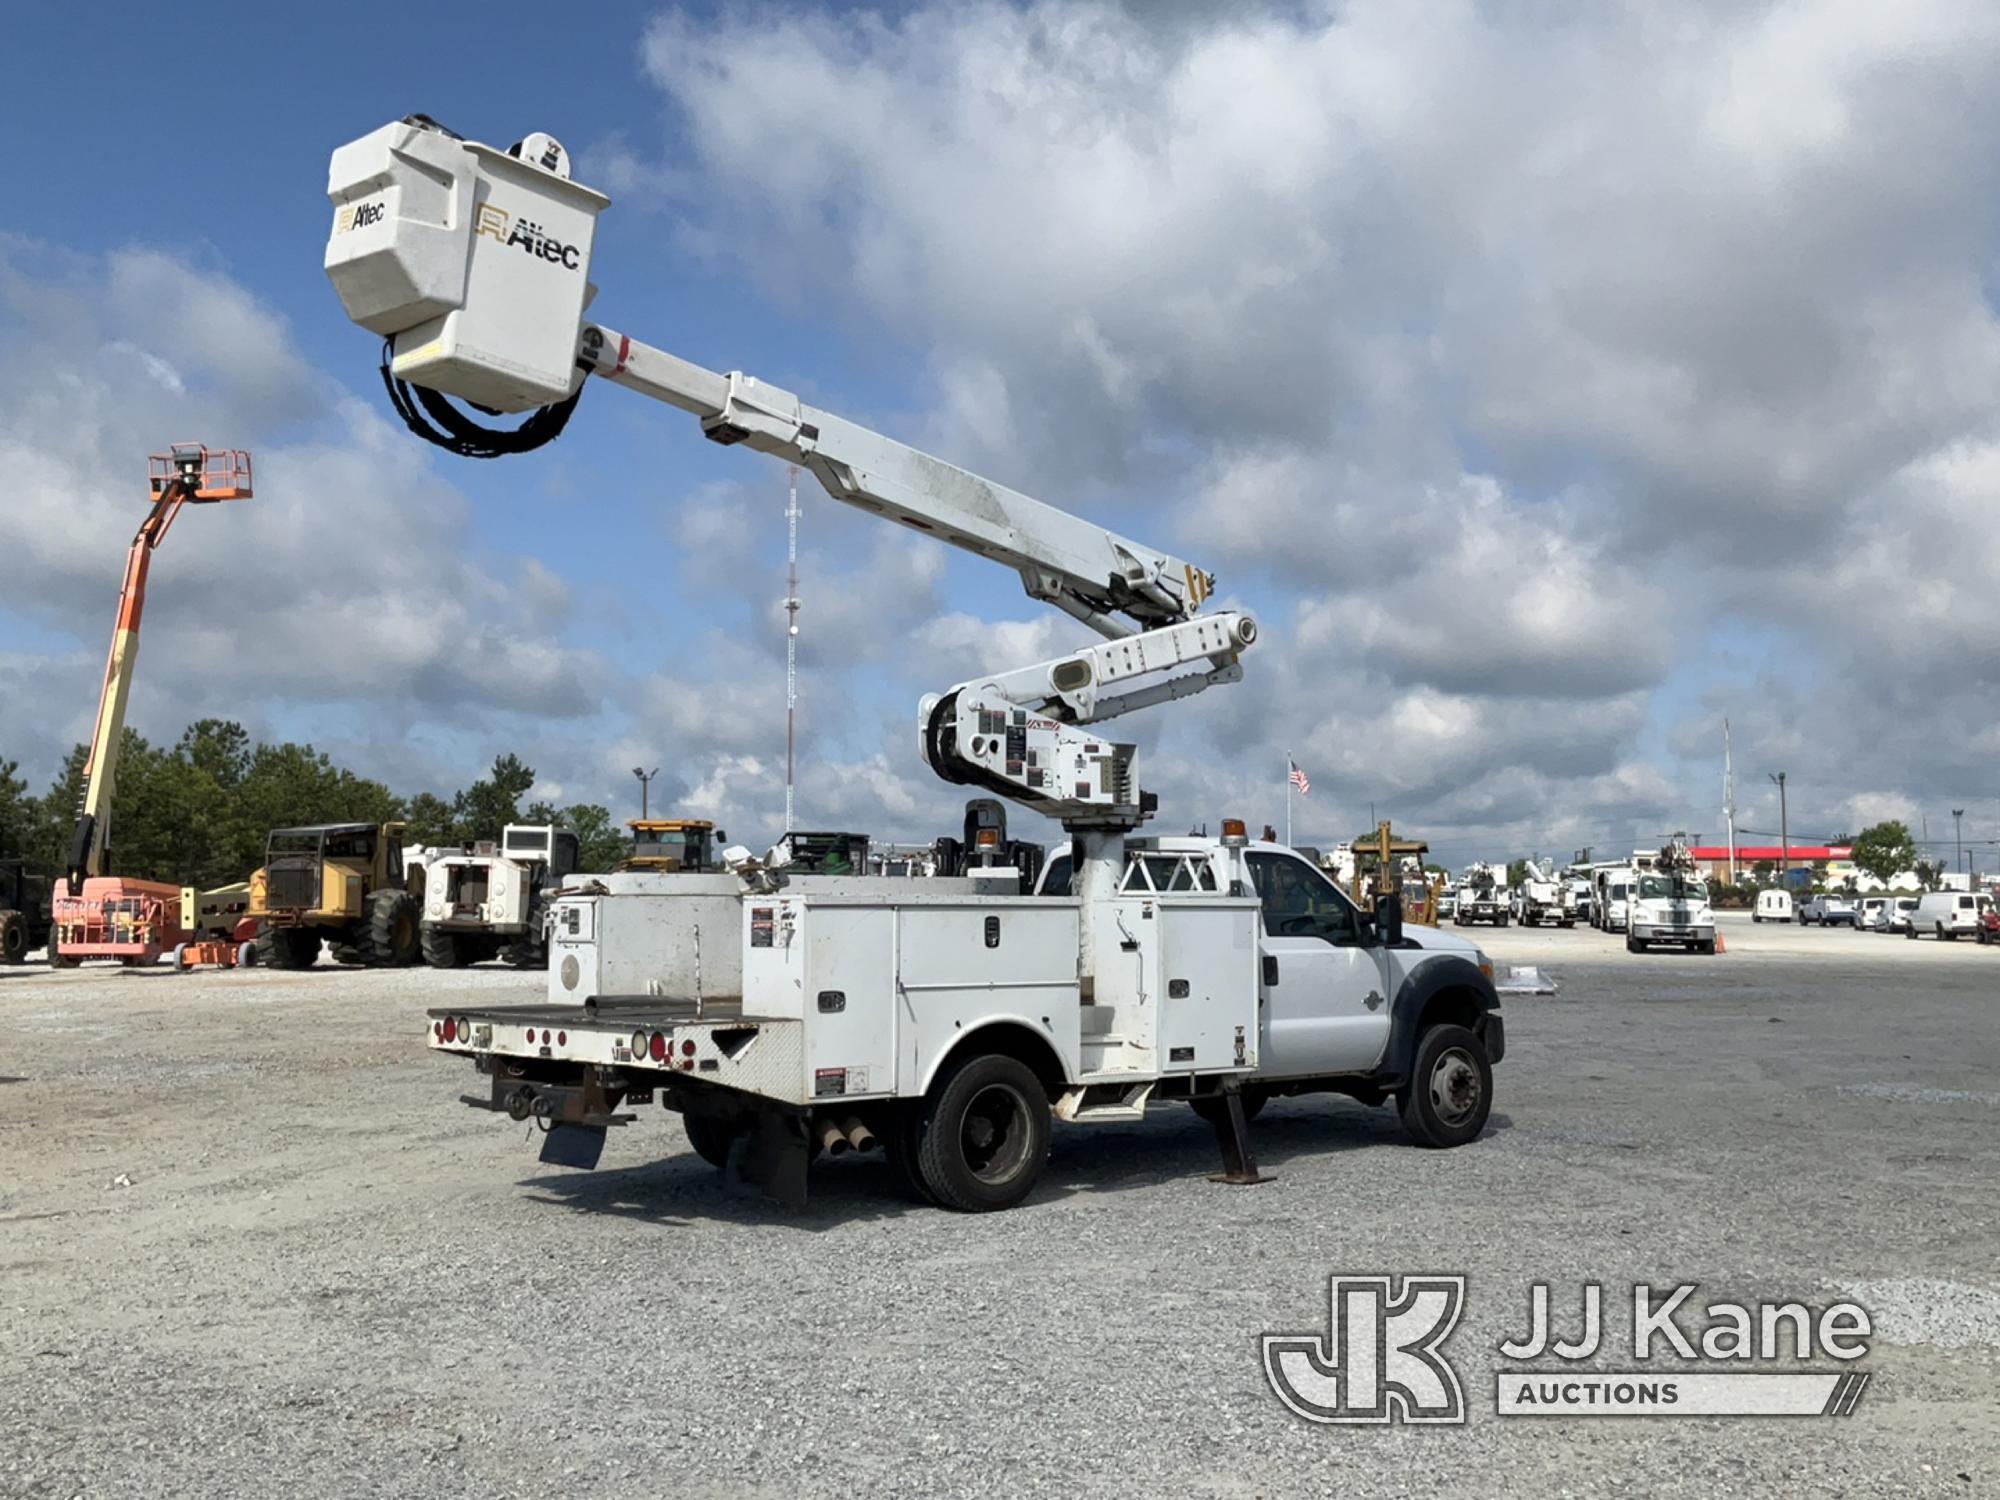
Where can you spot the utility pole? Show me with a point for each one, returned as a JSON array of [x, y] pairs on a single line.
[[1784, 835], [1958, 838], [645, 788], [791, 644], [1729, 799]]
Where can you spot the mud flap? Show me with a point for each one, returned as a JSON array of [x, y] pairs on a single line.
[[774, 1155], [577, 1146]]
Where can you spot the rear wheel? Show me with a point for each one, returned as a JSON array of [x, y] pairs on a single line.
[[1450, 1092], [985, 1135], [1211, 1107], [711, 1137], [13, 937], [443, 949], [392, 939]]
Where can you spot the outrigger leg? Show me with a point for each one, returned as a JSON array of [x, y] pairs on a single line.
[[1232, 1134]]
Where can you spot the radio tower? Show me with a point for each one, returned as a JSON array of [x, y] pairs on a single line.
[[791, 642], [1729, 799]]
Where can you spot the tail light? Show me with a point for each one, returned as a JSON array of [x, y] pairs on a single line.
[[448, 1029], [658, 1049]]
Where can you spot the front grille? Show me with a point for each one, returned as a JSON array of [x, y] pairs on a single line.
[[292, 884]]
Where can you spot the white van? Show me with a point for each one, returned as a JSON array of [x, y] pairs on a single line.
[[1901, 910], [1947, 914], [1871, 913], [1772, 906]]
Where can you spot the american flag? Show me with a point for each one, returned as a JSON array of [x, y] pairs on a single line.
[[1300, 779]]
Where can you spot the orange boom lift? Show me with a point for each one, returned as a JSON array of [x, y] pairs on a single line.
[[113, 916]]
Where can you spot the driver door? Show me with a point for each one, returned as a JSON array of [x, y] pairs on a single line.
[[1324, 1008]]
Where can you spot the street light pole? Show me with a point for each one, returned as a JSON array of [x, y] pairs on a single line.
[[645, 788], [1784, 835], [1958, 838]]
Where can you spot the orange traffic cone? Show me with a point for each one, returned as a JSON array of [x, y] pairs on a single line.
[[1720, 945]]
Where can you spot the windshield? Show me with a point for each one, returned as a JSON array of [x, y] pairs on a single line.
[[1661, 888]]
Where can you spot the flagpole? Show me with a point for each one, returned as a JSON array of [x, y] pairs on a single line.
[[1288, 799]]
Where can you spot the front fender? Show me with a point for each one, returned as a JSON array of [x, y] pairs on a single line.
[[1432, 977]]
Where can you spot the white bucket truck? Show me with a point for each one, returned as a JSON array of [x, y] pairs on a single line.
[[787, 1015]]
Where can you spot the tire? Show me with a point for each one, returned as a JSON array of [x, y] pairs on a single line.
[[393, 939], [1707, 949], [524, 953], [249, 953], [1502, 922], [1210, 1107], [1633, 945], [1910, 932], [290, 947], [902, 1132], [710, 1137], [443, 949], [985, 1135], [1450, 1092], [13, 937]]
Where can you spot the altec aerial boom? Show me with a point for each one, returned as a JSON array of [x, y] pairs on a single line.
[[473, 265], [105, 916]]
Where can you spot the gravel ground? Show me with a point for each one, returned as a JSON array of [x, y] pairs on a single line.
[[250, 1244]]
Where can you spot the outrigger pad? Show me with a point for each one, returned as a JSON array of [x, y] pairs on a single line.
[[577, 1146], [1232, 1134]]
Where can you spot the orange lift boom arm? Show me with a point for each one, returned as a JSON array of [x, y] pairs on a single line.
[[190, 473]]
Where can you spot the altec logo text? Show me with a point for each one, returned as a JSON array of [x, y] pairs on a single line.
[[527, 236], [1382, 1359]]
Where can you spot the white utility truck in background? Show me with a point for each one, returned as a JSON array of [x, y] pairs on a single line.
[[1482, 895], [786, 1014], [491, 901], [1669, 904], [1538, 901], [1611, 901]]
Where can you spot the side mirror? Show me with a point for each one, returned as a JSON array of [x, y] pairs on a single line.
[[1389, 919]]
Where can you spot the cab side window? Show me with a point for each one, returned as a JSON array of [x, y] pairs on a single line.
[[1299, 901]]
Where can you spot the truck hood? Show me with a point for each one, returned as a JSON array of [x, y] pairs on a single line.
[[1437, 940]]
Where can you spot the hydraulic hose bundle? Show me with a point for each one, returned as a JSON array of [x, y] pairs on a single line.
[[455, 432]]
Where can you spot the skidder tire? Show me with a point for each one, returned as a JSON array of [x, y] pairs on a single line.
[[1450, 1092], [13, 937], [393, 938], [443, 949], [289, 947], [710, 1137], [985, 1135], [524, 955]]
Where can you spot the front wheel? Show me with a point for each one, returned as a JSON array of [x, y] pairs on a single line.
[[985, 1135], [1707, 949], [1633, 945], [1450, 1092]]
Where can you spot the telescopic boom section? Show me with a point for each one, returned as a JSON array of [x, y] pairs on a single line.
[[1090, 572], [190, 474]]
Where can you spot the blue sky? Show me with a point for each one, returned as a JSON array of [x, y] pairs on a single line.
[[1431, 329]]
